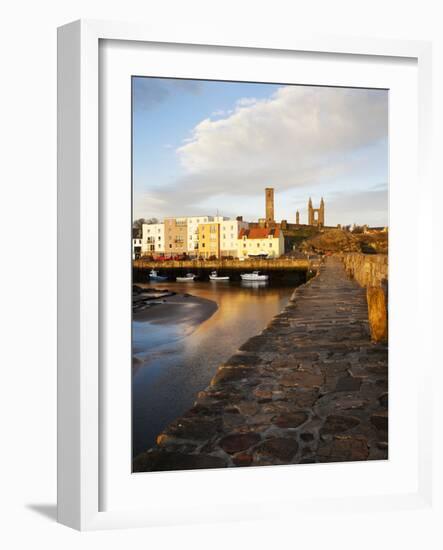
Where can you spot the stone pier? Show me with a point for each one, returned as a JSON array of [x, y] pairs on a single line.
[[371, 272], [312, 387]]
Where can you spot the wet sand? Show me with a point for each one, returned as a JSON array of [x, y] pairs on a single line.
[[183, 309]]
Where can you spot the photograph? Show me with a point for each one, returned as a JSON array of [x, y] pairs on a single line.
[[259, 250]]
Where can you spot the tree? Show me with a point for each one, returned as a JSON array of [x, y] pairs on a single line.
[[137, 226]]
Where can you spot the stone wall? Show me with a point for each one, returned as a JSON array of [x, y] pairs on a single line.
[[310, 388], [371, 272]]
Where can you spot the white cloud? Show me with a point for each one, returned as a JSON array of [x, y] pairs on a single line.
[[311, 138], [300, 136], [246, 101]]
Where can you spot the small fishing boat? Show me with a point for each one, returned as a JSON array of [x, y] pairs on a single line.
[[254, 276], [186, 279], [154, 276], [215, 277]]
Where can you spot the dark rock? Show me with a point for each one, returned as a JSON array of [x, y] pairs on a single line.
[[383, 400], [191, 428], [235, 443], [255, 343], [302, 398], [380, 420], [377, 369], [243, 359], [264, 391], [231, 421], [247, 408], [344, 448], [348, 383], [302, 378], [230, 374], [308, 460], [307, 436], [337, 424], [290, 420], [242, 459], [281, 448]]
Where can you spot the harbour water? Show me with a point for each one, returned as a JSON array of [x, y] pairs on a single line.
[[176, 358]]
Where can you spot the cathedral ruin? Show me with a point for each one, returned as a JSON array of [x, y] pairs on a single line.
[[316, 216]]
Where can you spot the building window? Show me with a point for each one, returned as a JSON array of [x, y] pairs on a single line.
[[270, 245]]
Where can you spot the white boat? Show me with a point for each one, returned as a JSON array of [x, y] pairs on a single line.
[[214, 277], [254, 276], [187, 278], [154, 276]]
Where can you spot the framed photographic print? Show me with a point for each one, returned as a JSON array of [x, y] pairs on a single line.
[[231, 263]]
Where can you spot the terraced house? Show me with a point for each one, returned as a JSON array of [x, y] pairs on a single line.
[[153, 238], [176, 236], [261, 241], [229, 232], [209, 240], [193, 223]]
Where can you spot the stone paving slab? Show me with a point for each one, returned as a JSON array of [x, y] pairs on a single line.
[[310, 388]]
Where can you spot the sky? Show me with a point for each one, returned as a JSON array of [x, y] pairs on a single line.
[[205, 147]]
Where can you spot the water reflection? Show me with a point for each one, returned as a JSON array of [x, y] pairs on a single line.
[[173, 365], [254, 284]]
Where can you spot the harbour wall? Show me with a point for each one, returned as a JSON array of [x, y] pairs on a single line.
[[371, 272], [290, 270]]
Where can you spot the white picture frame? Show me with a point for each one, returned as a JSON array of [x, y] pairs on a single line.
[[79, 257]]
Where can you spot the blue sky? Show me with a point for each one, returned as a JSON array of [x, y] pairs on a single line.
[[205, 146]]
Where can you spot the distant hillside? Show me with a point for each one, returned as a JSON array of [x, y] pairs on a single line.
[[337, 240]]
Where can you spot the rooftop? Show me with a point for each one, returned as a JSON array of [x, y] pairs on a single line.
[[260, 232]]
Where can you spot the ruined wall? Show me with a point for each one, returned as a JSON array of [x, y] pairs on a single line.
[[371, 271]]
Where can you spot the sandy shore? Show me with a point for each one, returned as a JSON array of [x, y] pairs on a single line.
[[178, 309]]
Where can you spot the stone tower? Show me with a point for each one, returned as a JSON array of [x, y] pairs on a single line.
[[269, 194], [297, 217], [316, 216]]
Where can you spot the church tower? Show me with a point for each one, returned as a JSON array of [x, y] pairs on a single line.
[[269, 197], [321, 213], [310, 212], [297, 217]]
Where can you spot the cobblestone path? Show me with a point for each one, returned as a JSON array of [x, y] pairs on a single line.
[[310, 388]]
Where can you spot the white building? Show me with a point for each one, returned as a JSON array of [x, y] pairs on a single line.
[[193, 222], [261, 241], [229, 233], [136, 248], [153, 238]]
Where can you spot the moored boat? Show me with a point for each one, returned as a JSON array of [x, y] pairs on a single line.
[[254, 276], [187, 278], [215, 277], [154, 276]]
